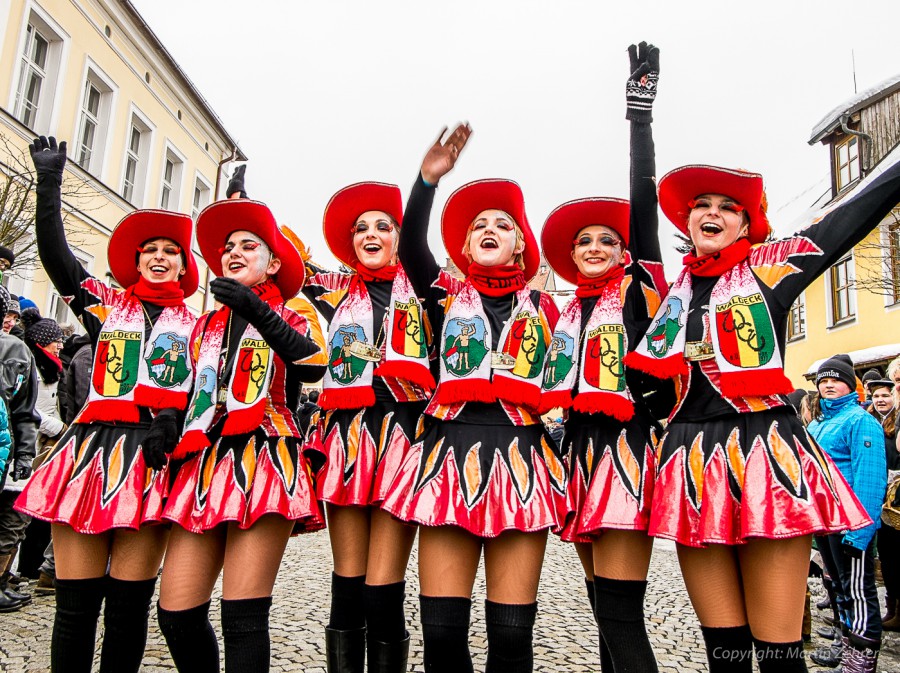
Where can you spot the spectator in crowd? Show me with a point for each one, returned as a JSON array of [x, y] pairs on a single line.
[[77, 359], [308, 408], [11, 319], [18, 389], [854, 441], [884, 409], [869, 375]]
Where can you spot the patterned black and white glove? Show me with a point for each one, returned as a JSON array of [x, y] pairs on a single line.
[[640, 90]]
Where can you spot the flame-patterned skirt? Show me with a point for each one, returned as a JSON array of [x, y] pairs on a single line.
[[748, 475], [611, 471], [242, 478], [484, 478], [363, 449], [95, 479]]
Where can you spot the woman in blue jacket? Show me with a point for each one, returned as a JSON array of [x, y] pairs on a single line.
[[855, 442]]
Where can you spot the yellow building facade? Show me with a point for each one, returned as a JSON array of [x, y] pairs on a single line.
[[854, 307], [139, 133]]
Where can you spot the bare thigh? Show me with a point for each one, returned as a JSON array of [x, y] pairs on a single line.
[[193, 563], [775, 598], [390, 543], [622, 554], [448, 561], [713, 580], [80, 555], [512, 566], [137, 554], [348, 529], [586, 556], [253, 556]]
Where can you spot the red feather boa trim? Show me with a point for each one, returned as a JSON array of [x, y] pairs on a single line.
[[604, 403], [407, 371], [192, 442], [666, 368], [110, 411], [517, 392], [454, 392], [554, 399], [347, 398], [750, 383]]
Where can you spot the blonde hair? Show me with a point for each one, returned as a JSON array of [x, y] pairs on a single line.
[[518, 258]]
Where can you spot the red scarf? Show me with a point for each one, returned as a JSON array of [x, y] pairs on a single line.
[[161, 294], [496, 281], [717, 263], [367, 275], [594, 286]]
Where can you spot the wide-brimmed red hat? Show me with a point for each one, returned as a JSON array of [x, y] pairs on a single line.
[[680, 186], [218, 220], [564, 223], [347, 205], [492, 194], [145, 225]]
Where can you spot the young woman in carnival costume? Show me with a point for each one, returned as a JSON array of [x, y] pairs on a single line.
[[740, 485], [484, 474], [610, 251], [244, 485], [376, 386], [101, 484]]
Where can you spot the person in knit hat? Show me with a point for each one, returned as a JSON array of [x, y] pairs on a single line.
[[44, 339], [7, 258], [11, 317], [854, 440]]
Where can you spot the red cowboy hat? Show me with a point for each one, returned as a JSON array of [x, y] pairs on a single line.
[[218, 220], [143, 225], [564, 223], [492, 194], [347, 205], [680, 186]]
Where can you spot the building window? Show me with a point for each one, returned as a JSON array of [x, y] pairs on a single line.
[[93, 123], [202, 193], [797, 319], [170, 190], [847, 162], [41, 57], [841, 296], [32, 76], [136, 154]]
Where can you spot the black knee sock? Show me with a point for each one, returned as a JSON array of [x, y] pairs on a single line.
[[780, 657], [191, 639], [125, 618], [385, 619], [245, 630], [348, 609], [729, 649], [605, 662], [75, 625], [445, 634], [510, 631], [620, 616]]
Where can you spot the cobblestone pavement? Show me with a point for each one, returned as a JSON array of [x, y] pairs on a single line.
[[565, 637]]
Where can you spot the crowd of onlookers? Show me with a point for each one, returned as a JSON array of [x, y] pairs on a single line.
[[44, 378]]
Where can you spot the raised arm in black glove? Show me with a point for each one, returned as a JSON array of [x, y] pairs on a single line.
[[640, 90], [49, 159], [236, 184], [160, 439], [290, 345]]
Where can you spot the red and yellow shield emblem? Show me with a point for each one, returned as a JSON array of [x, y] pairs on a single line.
[[604, 352], [251, 370]]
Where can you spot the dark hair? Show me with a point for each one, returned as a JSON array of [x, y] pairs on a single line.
[[303, 398], [314, 396]]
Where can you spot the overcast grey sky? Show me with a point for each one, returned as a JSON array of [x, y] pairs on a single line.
[[323, 94]]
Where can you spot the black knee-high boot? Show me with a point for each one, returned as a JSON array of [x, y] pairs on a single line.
[[606, 664], [780, 657], [125, 618], [75, 625], [191, 638], [620, 615], [345, 635], [728, 649], [510, 632], [245, 630], [387, 640], [445, 634]]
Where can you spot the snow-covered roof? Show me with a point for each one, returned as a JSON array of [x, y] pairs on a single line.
[[863, 356], [857, 102]]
